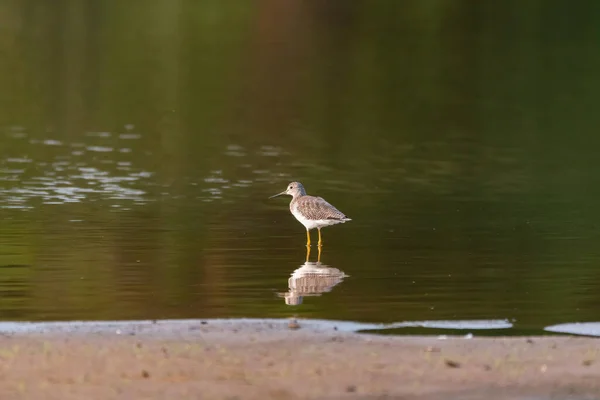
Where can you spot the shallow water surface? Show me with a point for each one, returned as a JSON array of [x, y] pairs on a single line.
[[138, 150]]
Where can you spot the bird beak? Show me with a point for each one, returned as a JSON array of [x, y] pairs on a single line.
[[278, 194]]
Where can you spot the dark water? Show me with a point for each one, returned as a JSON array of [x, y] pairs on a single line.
[[138, 147]]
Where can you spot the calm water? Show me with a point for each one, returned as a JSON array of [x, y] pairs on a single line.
[[138, 147]]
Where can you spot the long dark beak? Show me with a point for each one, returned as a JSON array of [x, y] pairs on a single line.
[[277, 195]]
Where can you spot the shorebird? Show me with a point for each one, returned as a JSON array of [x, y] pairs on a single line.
[[312, 212]]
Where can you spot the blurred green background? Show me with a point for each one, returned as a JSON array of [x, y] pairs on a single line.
[[139, 141]]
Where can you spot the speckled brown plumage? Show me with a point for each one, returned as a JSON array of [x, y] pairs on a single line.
[[316, 208]]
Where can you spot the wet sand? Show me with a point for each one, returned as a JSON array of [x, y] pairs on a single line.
[[279, 360]]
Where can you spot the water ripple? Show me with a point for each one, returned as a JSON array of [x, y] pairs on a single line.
[[56, 178]]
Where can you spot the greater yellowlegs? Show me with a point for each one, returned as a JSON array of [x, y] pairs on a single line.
[[312, 212]]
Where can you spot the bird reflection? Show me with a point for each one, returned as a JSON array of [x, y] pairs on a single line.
[[311, 279]]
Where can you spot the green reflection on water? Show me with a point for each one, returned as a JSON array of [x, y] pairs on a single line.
[[139, 145]]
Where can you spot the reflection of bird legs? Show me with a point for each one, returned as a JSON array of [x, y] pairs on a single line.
[[308, 254]]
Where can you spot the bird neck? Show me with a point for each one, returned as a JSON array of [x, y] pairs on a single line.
[[296, 197]]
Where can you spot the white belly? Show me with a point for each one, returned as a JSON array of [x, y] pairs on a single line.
[[313, 223]]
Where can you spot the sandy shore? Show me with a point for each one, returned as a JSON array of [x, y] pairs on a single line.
[[276, 360]]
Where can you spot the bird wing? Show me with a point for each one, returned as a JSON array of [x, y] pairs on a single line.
[[315, 208]]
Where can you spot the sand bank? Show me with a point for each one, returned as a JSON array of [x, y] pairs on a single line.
[[276, 359]]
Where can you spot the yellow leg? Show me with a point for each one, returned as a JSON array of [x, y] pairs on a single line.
[[320, 242], [319, 256], [308, 253], [307, 238]]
